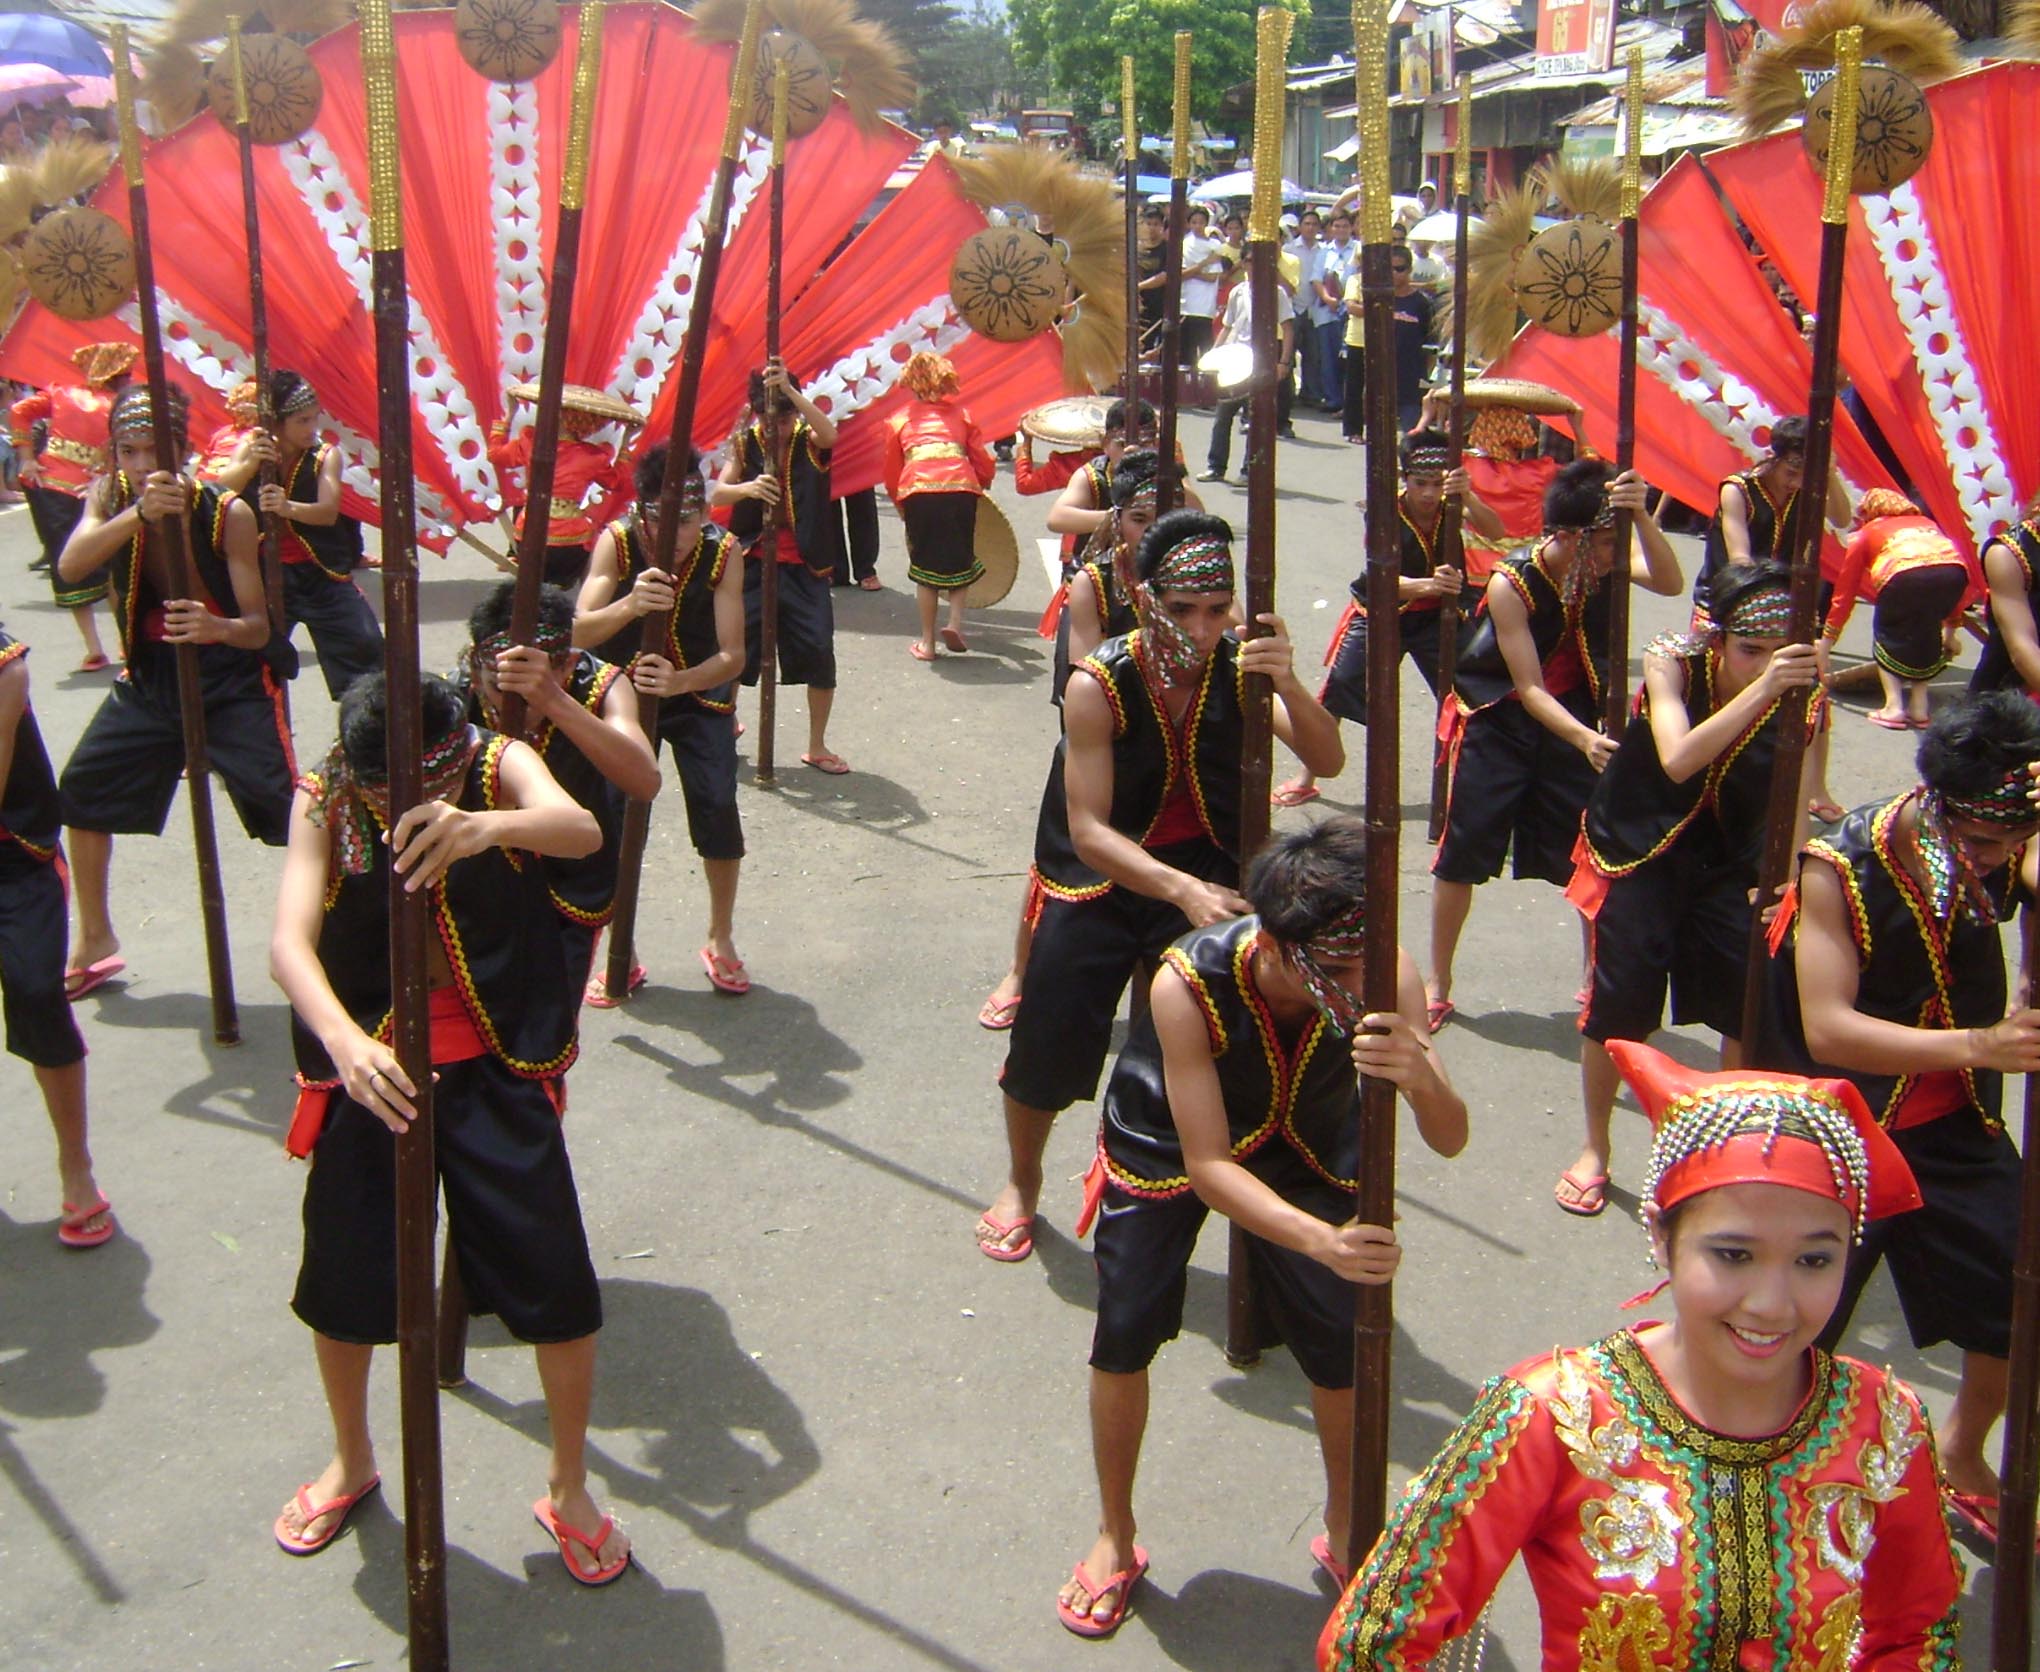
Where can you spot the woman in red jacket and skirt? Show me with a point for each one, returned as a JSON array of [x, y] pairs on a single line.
[[936, 467]]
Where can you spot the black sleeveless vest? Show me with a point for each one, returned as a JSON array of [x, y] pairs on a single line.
[[809, 494], [1770, 528], [690, 630], [1636, 812], [1147, 761], [1994, 668], [334, 548], [29, 810], [582, 889], [1482, 677], [133, 593], [1913, 971], [1290, 1102], [1419, 557], [498, 929]]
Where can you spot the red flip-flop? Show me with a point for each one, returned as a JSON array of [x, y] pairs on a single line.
[[998, 1014], [919, 651], [77, 983], [1438, 1012], [295, 1546], [566, 1536], [1595, 1187], [1333, 1568], [995, 1247], [1888, 722], [725, 975], [597, 996], [92, 663], [954, 640], [70, 1229], [1294, 793], [1094, 1624]]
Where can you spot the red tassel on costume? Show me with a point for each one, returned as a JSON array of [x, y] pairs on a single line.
[[1094, 1191], [308, 1119], [1781, 922], [1053, 614]]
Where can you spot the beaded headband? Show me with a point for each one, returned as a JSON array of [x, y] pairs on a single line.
[[1202, 563], [344, 799], [133, 414], [1701, 1126], [1428, 456], [548, 636], [302, 398], [1763, 614], [1343, 938], [2008, 805]]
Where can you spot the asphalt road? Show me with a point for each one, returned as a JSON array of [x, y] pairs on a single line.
[[838, 1436]]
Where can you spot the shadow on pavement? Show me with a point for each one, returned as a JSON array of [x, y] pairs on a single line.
[[1556, 1034], [59, 1307], [1221, 1621], [873, 804], [767, 1032], [247, 1087]]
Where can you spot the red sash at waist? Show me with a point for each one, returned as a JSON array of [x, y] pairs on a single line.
[[455, 1038]]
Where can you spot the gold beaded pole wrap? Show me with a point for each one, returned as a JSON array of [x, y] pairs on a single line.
[[172, 538], [1167, 489], [258, 332], [1615, 710], [616, 976], [1451, 542], [1129, 139], [776, 513], [1783, 817], [410, 925], [1374, 1317]]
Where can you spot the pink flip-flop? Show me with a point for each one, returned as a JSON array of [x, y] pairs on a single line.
[[834, 765], [1333, 1568], [597, 996], [70, 1229], [919, 651], [291, 1544], [92, 977], [994, 1247], [1592, 1193], [954, 640], [998, 1014], [1095, 1624], [1294, 794], [566, 1536], [725, 975], [1438, 1012]]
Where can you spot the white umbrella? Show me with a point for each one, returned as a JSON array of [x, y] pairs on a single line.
[[1240, 183], [1442, 227]]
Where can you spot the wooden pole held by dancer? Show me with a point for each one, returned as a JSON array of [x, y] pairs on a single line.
[[552, 364], [1129, 131], [173, 537], [1452, 528], [417, 1185], [1616, 715], [637, 820], [1782, 817], [775, 518], [1374, 1316], [1243, 1332], [258, 337], [2011, 1613], [1168, 491]]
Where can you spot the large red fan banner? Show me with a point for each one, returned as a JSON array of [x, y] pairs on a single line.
[[482, 164], [1932, 336]]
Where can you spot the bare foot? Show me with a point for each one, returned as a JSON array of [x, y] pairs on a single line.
[[1108, 1556], [337, 1482], [577, 1509]]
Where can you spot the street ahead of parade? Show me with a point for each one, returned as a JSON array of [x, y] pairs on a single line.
[[836, 1434]]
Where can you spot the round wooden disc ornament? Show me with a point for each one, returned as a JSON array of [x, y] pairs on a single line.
[[1894, 130], [807, 84], [78, 263], [1007, 284], [1569, 278], [508, 40], [284, 89], [994, 544]]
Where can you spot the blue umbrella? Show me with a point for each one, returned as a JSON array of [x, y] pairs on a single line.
[[37, 38]]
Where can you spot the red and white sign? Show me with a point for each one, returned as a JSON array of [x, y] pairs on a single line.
[[1575, 37]]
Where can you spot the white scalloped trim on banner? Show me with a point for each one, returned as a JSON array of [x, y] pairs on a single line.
[[1733, 410], [1962, 417], [654, 342], [515, 208], [869, 373], [435, 389]]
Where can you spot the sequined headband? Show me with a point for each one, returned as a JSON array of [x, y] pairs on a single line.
[[1202, 563], [302, 398], [1144, 498], [693, 497], [548, 636], [134, 413], [343, 799], [1703, 1123], [1765, 614], [1343, 938], [2008, 805]]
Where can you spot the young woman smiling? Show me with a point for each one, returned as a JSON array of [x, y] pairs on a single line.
[[1713, 1490]]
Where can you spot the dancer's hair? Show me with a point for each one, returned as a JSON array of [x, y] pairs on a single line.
[[1115, 417], [1138, 468], [1974, 745], [1788, 438], [364, 720], [492, 615], [1578, 494], [1304, 881], [650, 475]]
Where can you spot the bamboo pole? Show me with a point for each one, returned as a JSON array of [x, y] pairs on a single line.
[[680, 441], [1782, 814], [1616, 714], [1373, 1315], [1129, 129], [1452, 535], [1167, 490], [775, 518], [2011, 1611], [552, 372], [417, 1185], [258, 338], [173, 538]]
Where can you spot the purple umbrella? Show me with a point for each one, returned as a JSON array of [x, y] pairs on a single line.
[[37, 38]]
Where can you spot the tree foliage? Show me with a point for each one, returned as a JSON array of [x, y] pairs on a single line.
[[1079, 44]]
